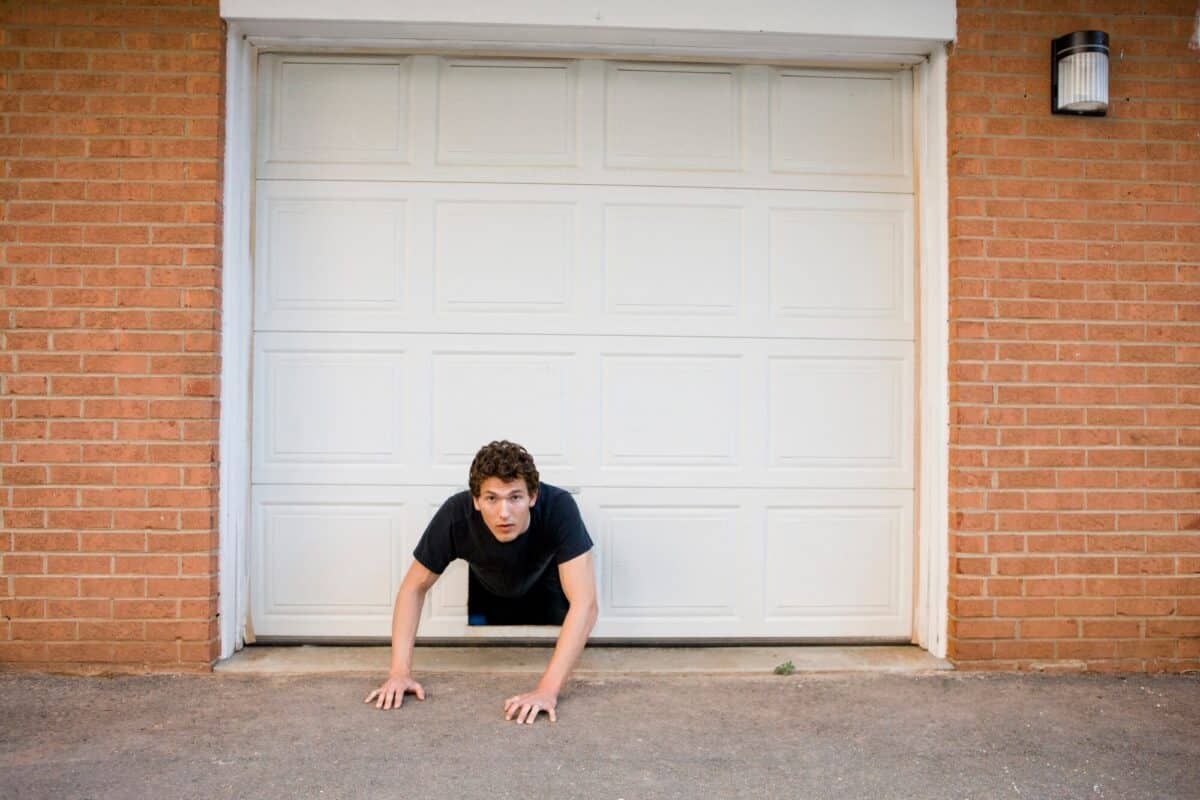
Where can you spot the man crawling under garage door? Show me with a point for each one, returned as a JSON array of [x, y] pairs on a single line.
[[530, 564]]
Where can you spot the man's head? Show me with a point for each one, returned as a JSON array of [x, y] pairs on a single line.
[[504, 485]]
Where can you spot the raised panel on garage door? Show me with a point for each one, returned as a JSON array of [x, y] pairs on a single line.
[[572, 260], [587, 122], [611, 411], [687, 288]]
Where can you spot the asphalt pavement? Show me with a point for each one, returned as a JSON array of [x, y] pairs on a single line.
[[836, 735]]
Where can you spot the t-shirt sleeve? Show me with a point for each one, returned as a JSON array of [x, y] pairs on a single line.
[[572, 536], [435, 550]]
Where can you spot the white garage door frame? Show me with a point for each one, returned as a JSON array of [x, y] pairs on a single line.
[[247, 40]]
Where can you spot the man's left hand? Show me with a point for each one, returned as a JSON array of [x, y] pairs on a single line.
[[526, 706]]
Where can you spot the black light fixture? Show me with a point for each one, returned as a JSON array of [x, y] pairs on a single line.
[[1079, 74]]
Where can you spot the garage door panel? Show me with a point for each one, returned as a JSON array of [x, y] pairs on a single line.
[[846, 412], [330, 407], [506, 111], [503, 256], [662, 409], [668, 116], [448, 602], [590, 260], [751, 562], [326, 560], [840, 121], [670, 561], [471, 404], [673, 259], [413, 408], [336, 254], [555, 121], [840, 262], [344, 109], [829, 560]]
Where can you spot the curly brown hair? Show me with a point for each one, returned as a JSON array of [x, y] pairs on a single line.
[[506, 461]]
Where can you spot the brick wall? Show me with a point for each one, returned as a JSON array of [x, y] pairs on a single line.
[[110, 124], [1075, 348]]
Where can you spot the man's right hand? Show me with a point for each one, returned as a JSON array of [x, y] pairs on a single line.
[[391, 693]]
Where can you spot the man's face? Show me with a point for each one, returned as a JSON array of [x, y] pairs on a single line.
[[505, 507]]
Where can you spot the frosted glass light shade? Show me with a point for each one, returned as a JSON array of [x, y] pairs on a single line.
[[1083, 82], [1079, 73]]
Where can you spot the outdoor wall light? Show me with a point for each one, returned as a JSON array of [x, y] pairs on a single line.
[[1079, 74]]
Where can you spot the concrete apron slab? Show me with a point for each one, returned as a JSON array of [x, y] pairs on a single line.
[[319, 659]]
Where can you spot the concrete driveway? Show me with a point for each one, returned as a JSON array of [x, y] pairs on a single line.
[[924, 733]]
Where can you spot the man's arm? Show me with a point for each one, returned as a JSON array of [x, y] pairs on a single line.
[[405, 617], [579, 585]]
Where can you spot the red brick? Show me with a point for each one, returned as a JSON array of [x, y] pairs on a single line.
[[44, 630], [122, 541], [112, 631], [1111, 629], [1053, 587], [112, 587], [145, 652], [17, 652], [1024, 566], [198, 565], [45, 587], [58, 541], [1025, 649], [150, 519], [1123, 543], [78, 565], [1049, 628], [1086, 607], [181, 542], [81, 652], [1175, 628], [147, 565], [179, 587], [1142, 648], [985, 629], [1040, 607], [1108, 587], [79, 609], [145, 609], [1085, 649], [202, 652], [189, 631], [1145, 566], [17, 564]]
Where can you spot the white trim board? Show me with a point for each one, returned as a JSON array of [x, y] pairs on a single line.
[[236, 324], [933, 355], [235, 442], [911, 19], [742, 48]]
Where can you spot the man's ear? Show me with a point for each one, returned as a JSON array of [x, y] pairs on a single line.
[[475, 502], [533, 498]]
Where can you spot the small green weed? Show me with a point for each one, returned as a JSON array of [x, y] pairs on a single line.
[[786, 668]]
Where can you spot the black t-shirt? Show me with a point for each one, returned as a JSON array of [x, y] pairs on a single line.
[[509, 569]]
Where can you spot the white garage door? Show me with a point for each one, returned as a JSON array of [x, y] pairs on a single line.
[[687, 289]]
